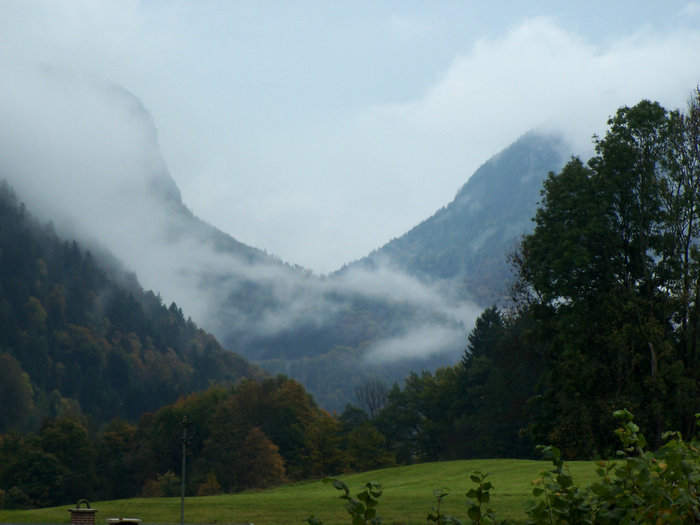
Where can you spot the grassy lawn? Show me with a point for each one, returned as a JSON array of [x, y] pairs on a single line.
[[407, 497]]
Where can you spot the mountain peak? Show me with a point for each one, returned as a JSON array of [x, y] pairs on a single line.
[[468, 240]]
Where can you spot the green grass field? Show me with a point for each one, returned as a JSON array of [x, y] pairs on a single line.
[[407, 497]]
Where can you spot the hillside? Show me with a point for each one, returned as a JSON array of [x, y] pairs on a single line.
[[467, 242], [407, 498], [79, 335]]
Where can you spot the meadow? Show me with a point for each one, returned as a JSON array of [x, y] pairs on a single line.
[[407, 499]]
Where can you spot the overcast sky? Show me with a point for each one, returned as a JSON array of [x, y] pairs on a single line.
[[319, 130]]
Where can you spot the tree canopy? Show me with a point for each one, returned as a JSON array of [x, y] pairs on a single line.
[[612, 281]]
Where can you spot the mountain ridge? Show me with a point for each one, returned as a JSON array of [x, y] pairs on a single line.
[[443, 246]]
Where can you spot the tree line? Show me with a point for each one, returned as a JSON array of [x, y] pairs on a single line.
[[603, 315], [253, 435], [611, 280]]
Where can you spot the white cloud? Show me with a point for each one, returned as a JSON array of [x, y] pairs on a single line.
[[538, 74], [691, 10], [408, 27], [289, 126], [424, 341], [377, 171]]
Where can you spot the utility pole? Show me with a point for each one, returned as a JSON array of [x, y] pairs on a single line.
[[185, 441]]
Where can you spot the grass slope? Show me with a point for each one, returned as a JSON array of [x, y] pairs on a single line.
[[406, 500]]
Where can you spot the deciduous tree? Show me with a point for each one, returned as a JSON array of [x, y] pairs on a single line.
[[609, 269]]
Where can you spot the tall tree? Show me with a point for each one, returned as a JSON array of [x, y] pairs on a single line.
[[371, 396], [603, 274], [682, 205], [15, 394]]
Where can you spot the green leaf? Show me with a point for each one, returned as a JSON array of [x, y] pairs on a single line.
[[565, 481], [355, 507], [624, 415], [474, 513]]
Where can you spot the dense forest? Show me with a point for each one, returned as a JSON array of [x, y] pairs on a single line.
[[604, 312], [78, 334], [604, 315], [256, 434]]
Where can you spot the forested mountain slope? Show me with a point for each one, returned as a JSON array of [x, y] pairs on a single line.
[[468, 241], [78, 334]]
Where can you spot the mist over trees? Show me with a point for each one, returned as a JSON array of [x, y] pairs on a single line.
[[79, 335], [406, 309], [604, 315], [604, 311]]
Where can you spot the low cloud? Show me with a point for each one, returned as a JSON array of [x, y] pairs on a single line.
[[321, 153], [422, 342], [536, 74], [369, 165], [84, 154]]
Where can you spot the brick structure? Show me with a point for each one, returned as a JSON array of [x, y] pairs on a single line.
[[82, 515]]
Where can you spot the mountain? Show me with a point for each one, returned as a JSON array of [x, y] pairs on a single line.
[[457, 256], [407, 306], [467, 242], [79, 335]]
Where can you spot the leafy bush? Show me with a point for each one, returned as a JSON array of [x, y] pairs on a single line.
[[363, 508], [640, 487]]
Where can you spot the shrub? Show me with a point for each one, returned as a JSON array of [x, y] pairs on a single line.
[[638, 487]]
